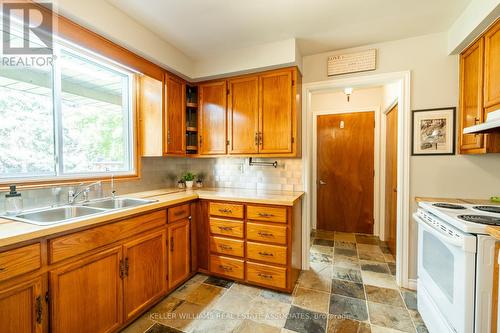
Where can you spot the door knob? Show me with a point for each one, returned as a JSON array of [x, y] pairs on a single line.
[[321, 182]]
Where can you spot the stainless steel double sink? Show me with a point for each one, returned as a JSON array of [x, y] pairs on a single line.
[[54, 215]]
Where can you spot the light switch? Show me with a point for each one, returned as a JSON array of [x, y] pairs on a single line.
[[342, 125]]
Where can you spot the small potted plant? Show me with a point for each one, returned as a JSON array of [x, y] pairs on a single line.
[[180, 183], [188, 178]]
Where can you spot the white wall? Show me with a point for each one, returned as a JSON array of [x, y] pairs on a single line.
[[478, 15], [239, 61], [104, 19], [434, 84]]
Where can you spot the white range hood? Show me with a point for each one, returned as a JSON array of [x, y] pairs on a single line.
[[492, 124]]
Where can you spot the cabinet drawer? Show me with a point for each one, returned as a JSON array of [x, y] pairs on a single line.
[[19, 261], [80, 242], [266, 275], [263, 213], [226, 227], [264, 252], [266, 233], [226, 209], [227, 246], [234, 268], [178, 213]]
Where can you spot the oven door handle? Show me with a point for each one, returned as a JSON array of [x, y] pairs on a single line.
[[435, 232]]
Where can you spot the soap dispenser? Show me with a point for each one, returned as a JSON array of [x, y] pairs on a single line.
[[13, 202]]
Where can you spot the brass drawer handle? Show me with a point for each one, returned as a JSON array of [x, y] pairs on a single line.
[[225, 228], [265, 276], [225, 247], [265, 234], [225, 210], [226, 268], [265, 215], [266, 254]]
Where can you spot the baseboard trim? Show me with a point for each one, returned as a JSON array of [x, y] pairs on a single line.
[[412, 284]]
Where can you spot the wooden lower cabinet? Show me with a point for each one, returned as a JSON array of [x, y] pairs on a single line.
[[178, 252], [261, 246], [145, 277], [86, 295], [22, 307]]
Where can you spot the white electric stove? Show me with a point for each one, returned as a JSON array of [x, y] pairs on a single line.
[[455, 266]]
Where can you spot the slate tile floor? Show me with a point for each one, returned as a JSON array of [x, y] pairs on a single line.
[[350, 288]]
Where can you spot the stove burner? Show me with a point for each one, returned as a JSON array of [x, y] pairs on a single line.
[[489, 209], [481, 219], [448, 205]]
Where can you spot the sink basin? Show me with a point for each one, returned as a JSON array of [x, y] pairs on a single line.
[[56, 215], [117, 203], [61, 214]]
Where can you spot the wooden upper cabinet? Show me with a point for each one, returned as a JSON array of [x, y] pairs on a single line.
[[212, 118], [471, 96], [276, 118], [22, 308], [178, 252], [480, 91], [150, 102], [145, 262], [175, 119], [86, 296], [243, 115], [492, 68]]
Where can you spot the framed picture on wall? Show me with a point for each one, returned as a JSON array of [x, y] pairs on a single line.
[[434, 131]]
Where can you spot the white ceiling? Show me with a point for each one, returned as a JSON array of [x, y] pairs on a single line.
[[201, 28]]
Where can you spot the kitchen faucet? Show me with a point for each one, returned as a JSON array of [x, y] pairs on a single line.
[[73, 194]]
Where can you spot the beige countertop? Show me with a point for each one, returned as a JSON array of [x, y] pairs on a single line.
[[12, 232]]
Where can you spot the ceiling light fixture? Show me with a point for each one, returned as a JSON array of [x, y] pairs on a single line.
[[348, 92]]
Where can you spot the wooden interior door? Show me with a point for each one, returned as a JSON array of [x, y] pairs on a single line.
[[345, 159], [212, 120], [175, 116], [18, 308], [86, 296], [275, 114], [471, 95], [391, 177], [178, 252], [146, 271], [243, 115]]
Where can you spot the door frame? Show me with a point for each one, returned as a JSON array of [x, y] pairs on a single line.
[[376, 161], [404, 150]]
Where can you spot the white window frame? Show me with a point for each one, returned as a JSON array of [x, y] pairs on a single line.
[[130, 120]]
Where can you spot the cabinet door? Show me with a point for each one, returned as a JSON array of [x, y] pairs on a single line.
[[145, 262], [492, 68], [86, 296], [175, 116], [212, 122], [21, 308], [151, 116], [275, 114], [471, 96], [178, 252], [243, 115]]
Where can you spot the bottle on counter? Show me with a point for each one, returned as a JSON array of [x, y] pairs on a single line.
[[13, 202]]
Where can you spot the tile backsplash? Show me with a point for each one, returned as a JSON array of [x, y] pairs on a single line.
[[164, 172]]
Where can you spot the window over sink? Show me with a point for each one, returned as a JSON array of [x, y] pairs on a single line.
[[72, 119]]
